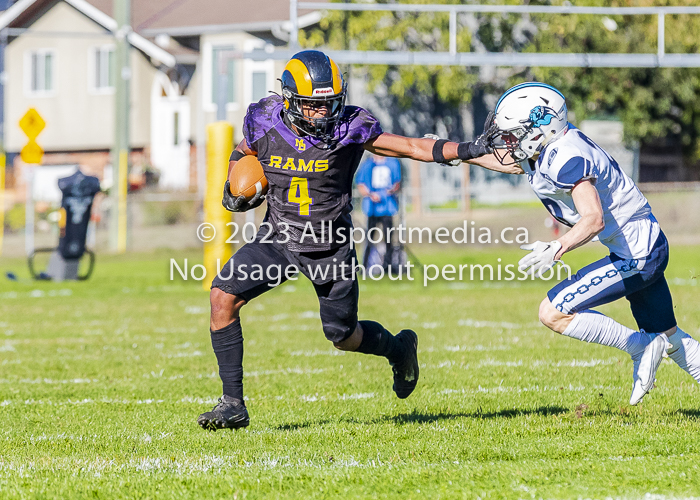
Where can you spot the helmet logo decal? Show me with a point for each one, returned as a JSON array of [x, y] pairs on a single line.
[[323, 91], [542, 115]]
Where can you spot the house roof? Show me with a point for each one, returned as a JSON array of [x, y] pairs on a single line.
[[192, 17], [24, 12], [172, 17]]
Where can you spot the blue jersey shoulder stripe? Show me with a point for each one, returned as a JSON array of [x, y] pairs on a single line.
[[570, 173]]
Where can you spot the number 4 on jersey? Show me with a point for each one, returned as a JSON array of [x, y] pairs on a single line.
[[299, 194]]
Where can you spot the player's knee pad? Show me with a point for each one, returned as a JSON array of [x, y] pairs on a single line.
[[338, 303], [339, 319], [339, 329]]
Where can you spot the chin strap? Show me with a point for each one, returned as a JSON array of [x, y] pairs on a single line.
[[553, 137], [527, 166]]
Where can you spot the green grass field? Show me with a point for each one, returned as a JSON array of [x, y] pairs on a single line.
[[101, 383]]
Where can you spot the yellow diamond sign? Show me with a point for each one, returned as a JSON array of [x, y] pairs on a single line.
[[32, 152], [32, 123]]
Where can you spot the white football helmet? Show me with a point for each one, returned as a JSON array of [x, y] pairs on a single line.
[[528, 117]]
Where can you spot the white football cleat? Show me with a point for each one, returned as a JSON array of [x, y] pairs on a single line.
[[645, 368]]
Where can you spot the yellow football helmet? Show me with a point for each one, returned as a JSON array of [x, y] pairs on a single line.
[[311, 78]]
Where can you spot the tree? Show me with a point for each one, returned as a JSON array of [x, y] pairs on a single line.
[[432, 97], [651, 102]]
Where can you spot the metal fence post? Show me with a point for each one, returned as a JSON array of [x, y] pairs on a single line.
[[661, 42], [294, 31], [453, 32]]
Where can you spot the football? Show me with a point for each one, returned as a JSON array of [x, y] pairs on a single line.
[[247, 178]]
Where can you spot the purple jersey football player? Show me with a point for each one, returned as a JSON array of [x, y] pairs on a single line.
[[310, 145]]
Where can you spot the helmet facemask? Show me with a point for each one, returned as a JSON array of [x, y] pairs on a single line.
[[523, 142], [321, 128], [509, 142]]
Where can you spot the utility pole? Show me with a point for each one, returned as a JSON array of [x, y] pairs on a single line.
[[294, 30], [3, 77], [120, 150]]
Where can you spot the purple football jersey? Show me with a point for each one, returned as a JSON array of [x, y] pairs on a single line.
[[310, 181]]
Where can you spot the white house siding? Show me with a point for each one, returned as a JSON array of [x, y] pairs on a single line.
[[77, 117], [143, 74], [235, 111]]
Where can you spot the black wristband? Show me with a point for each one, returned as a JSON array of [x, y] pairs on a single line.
[[438, 157], [236, 155], [463, 151]]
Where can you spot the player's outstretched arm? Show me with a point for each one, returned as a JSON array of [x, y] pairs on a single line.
[[492, 163], [587, 203], [428, 150]]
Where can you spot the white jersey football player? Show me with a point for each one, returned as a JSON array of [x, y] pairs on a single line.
[[584, 188]]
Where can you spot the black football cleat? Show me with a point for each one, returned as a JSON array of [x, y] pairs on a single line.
[[406, 370], [229, 413]]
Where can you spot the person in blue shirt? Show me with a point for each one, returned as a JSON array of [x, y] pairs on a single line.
[[378, 180]]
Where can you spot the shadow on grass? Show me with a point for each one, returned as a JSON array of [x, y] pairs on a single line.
[[301, 425], [426, 418], [694, 414]]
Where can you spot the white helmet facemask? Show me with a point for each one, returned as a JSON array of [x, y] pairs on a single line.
[[528, 117]]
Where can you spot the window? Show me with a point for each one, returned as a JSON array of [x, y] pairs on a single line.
[[223, 75], [259, 85], [259, 78], [103, 68], [41, 71]]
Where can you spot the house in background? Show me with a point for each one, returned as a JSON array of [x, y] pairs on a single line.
[[186, 58]]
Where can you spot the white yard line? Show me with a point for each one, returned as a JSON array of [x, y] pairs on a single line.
[[318, 352], [63, 292]]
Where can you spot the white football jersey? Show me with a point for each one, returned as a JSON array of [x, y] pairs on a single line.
[[630, 228]]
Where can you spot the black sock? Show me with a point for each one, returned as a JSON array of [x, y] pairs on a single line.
[[378, 341], [228, 347]]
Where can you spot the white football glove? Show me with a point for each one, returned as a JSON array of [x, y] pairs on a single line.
[[540, 259]]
